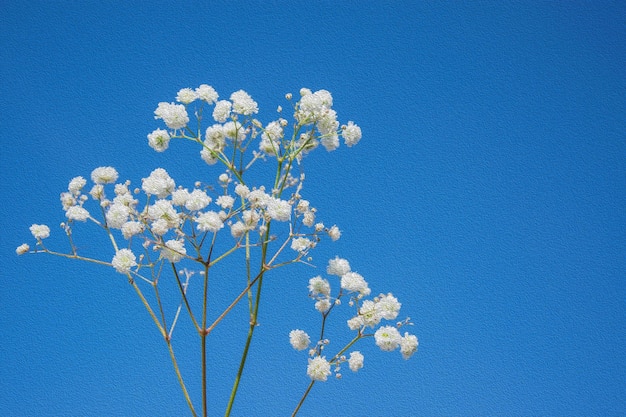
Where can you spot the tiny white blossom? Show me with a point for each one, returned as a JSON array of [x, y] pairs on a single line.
[[76, 184], [22, 249], [354, 282], [318, 369], [67, 200], [355, 323], [355, 361], [97, 192], [408, 345], [243, 103], [104, 175], [186, 96], [174, 250], [163, 210], [237, 229], [174, 115], [388, 306], [319, 285], [117, 215], [322, 305], [309, 218], [222, 111], [180, 196], [225, 201], [40, 231], [299, 339], [77, 213], [209, 222], [387, 338], [242, 190], [160, 227], [123, 260], [159, 183], [159, 140], [300, 244], [334, 233], [279, 209], [351, 134], [132, 228], [197, 200], [370, 315], [338, 266], [207, 93]]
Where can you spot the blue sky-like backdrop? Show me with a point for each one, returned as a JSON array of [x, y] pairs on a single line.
[[488, 194]]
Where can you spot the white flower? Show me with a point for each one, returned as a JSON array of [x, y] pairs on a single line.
[[270, 139], [408, 345], [242, 190], [97, 192], [334, 233], [225, 201], [388, 306], [237, 229], [370, 316], [160, 227], [258, 198], [222, 111], [40, 231], [351, 134], [130, 229], [338, 266], [197, 200], [234, 131], [207, 93], [319, 285], [76, 184], [158, 183], [174, 250], [387, 338], [354, 282], [77, 213], [180, 197], [67, 200], [330, 142], [159, 140], [318, 369], [22, 249], [104, 175], [250, 218], [163, 210], [300, 244], [355, 361], [299, 339], [123, 260], [209, 156], [322, 305], [243, 103], [117, 215], [186, 96], [309, 218], [355, 323], [279, 210], [174, 115], [209, 222]]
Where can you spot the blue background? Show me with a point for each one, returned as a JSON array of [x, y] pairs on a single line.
[[488, 194]]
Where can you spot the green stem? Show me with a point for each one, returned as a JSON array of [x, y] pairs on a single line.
[[180, 378], [306, 393]]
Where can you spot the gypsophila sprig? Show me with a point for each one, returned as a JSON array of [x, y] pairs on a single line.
[[160, 231]]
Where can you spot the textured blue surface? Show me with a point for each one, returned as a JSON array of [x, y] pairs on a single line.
[[488, 194]]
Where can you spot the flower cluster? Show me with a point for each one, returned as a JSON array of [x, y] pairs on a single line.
[[181, 225], [369, 314]]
